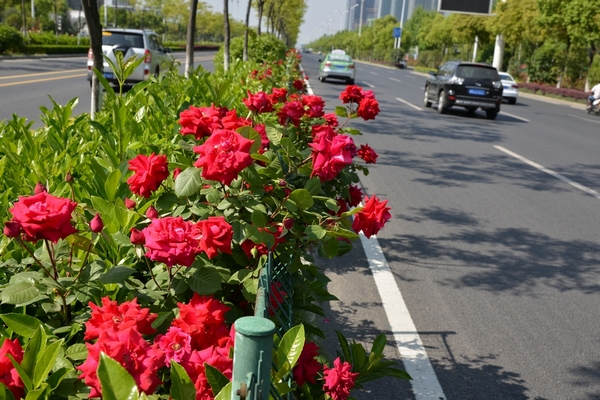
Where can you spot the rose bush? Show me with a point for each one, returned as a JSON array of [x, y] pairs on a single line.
[[149, 226]]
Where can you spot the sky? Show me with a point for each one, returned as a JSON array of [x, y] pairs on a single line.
[[322, 17]]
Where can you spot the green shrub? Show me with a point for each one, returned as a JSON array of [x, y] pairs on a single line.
[[594, 72], [261, 48], [11, 40]]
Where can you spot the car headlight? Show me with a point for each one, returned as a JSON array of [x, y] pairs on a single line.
[[455, 80], [497, 84]]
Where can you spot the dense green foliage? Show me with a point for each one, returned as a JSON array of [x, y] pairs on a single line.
[[261, 49], [10, 39]]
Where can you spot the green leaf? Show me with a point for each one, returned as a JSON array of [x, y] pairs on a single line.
[[5, 393], [290, 346], [345, 346], [302, 198], [182, 387], [259, 219], [22, 374], [35, 346], [188, 182], [225, 393], [315, 232], [205, 281], [22, 325], [76, 352], [18, 293], [379, 344], [46, 363], [216, 379], [116, 382], [37, 393], [117, 274], [111, 185], [313, 185], [341, 111]]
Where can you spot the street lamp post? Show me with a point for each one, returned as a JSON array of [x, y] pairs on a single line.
[[401, 21], [362, 5], [349, 15]]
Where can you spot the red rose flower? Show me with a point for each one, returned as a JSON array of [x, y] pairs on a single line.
[[352, 94], [215, 236], [331, 120], [331, 153], [367, 154], [148, 173], [12, 229], [368, 109], [307, 367], [223, 156], [175, 344], [171, 240], [372, 217], [298, 85], [176, 172], [292, 111], [204, 320], [96, 224], [315, 105], [232, 122], [279, 95], [117, 317], [151, 213], [8, 374], [44, 216], [263, 248], [259, 102], [356, 195], [201, 121], [129, 203], [129, 349], [339, 380], [217, 357], [264, 139], [136, 236]]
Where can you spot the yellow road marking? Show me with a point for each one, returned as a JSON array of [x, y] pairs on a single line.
[[40, 74], [42, 80]]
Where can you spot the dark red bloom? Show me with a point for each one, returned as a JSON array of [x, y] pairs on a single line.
[[279, 95], [259, 102], [307, 367], [372, 217], [314, 105], [129, 203], [96, 224], [339, 379], [12, 229], [137, 237], [352, 94], [368, 109], [148, 173], [8, 374], [367, 154], [201, 121], [292, 111]]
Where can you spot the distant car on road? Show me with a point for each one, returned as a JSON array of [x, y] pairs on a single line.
[[132, 42], [337, 65], [465, 84], [511, 88]]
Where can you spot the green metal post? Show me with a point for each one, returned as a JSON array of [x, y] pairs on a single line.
[[252, 357]]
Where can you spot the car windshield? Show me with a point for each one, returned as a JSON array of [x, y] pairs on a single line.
[[506, 77], [340, 57], [122, 39], [467, 71]]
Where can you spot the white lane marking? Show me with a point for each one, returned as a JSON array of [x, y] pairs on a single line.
[[411, 77], [396, 80], [584, 119], [514, 116], [374, 73], [416, 362], [550, 172], [368, 84], [409, 104]]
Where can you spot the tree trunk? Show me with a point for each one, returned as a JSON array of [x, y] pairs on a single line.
[[227, 39], [92, 17], [261, 6], [191, 36], [245, 56]]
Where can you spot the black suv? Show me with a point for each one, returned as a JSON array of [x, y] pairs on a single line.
[[465, 84]]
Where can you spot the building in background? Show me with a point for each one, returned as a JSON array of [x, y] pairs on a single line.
[[380, 8]]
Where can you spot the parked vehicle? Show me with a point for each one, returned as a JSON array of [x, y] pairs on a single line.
[[465, 84], [510, 90], [594, 108], [132, 42], [337, 65]]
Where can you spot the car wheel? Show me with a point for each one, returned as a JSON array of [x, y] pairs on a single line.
[[441, 104], [322, 78], [350, 81], [512, 100], [426, 101], [491, 114], [156, 73]]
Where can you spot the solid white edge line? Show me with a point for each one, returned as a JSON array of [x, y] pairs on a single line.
[[584, 119], [550, 172], [514, 116], [412, 352], [409, 104]]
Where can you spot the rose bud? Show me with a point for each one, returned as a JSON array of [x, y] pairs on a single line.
[[137, 237], [69, 178], [288, 223], [282, 183], [39, 188], [151, 213], [96, 224], [12, 229], [176, 173], [129, 203]]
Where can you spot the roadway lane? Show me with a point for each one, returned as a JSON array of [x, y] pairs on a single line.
[[27, 84], [497, 260]]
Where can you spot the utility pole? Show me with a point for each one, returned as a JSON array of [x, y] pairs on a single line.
[[498, 51], [362, 4]]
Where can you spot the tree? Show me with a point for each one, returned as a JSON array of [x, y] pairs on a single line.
[[191, 35], [92, 17]]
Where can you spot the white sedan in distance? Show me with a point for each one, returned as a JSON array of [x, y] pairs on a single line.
[[511, 88]]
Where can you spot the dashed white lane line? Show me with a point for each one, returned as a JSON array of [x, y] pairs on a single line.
[[416, 362], [550, 172], [585, 119], [374, 73], [396, 80], [409, 104], [514, 116], [368, 84]]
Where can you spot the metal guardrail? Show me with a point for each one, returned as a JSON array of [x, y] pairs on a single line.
[[254, 345]]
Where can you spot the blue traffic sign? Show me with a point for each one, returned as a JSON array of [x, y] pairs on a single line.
[[397, 32]]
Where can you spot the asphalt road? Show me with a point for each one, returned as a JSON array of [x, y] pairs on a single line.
[[26, 84], [494, 241], [497, 257]]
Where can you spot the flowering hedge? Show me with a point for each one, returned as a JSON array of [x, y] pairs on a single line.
[[132, 242]]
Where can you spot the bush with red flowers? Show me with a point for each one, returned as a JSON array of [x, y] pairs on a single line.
[[148, 227]]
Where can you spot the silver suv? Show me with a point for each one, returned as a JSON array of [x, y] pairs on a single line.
[[132, 42]]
